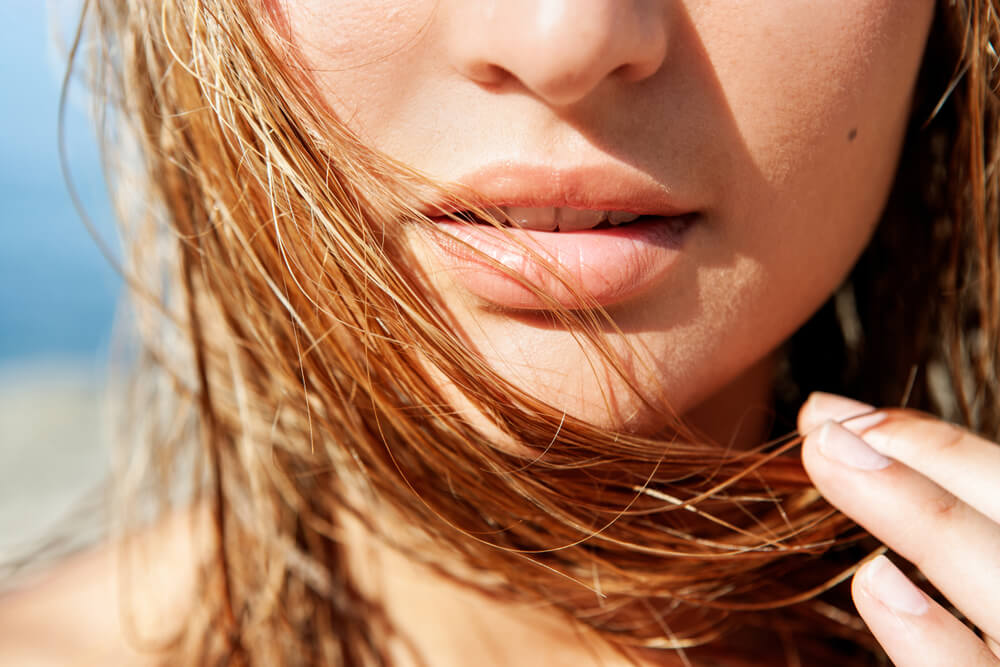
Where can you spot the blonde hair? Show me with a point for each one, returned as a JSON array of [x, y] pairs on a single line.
[[289, 350]]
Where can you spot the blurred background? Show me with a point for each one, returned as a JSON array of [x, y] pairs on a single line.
[[57, 293]]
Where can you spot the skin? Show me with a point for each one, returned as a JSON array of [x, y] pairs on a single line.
[[927, 489], [742, 110], [782, 122]]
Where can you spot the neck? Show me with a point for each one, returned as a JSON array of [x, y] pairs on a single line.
[[740, 414], [445, 623]]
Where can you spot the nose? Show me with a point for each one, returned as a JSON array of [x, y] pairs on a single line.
[[560, 50]]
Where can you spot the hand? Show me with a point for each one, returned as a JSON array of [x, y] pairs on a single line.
[[931, 492]]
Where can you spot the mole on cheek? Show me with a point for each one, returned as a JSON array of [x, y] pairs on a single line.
[[853, 133]]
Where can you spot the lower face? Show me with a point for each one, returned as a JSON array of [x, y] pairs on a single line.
[[777, 125]]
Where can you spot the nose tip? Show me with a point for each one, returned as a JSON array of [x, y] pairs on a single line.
[[562, 50]]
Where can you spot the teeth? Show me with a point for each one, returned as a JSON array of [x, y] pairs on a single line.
[[543, 219], [563, 219], [621, 217], [495, 213], [575, 219]]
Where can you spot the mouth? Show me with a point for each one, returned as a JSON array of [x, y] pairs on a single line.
[[534, 238], [550, 218], [577, 262]]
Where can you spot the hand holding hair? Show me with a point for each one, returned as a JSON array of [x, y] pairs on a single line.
[[928, 489]]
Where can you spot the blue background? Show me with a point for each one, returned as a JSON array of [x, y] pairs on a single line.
[[57, 293]]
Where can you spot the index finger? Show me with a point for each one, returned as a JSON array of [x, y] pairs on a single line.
[[959, 461]]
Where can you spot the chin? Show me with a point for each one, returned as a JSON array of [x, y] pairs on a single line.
[[720, 400]]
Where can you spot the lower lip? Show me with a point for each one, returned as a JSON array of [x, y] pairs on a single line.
[[597, 267]]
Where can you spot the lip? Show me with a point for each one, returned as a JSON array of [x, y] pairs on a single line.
[[611, 187], [511, 267]]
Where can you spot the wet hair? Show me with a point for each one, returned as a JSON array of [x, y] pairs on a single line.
[[290, 363]]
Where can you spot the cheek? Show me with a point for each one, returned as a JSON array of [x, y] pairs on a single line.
[[799, 76], [350, 33], [820, 96], [354, 49]]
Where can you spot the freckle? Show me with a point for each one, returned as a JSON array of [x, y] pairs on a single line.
[[853, 133]]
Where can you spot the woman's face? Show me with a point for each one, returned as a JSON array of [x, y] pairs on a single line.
[[777, 124]]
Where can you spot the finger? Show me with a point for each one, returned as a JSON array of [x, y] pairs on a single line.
[[953, 544], [914, 630], [965, 464]]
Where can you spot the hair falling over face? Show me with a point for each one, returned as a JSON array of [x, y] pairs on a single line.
[[290, 370]]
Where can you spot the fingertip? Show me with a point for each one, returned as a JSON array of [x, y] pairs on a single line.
[[911, 628], [821, 406], [812, 459], [885, 582], [857, 584], [864, 600], [806, 420]]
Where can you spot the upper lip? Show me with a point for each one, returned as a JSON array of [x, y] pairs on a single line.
[[599, 187]]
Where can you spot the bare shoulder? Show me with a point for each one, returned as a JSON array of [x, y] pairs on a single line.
[[70, 616], [106, 606]]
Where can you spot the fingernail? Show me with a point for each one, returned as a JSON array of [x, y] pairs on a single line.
[[893, 589], [832, 406], [839, 444], [854, 415]]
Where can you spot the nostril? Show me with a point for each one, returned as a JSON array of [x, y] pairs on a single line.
[[488, 74]]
